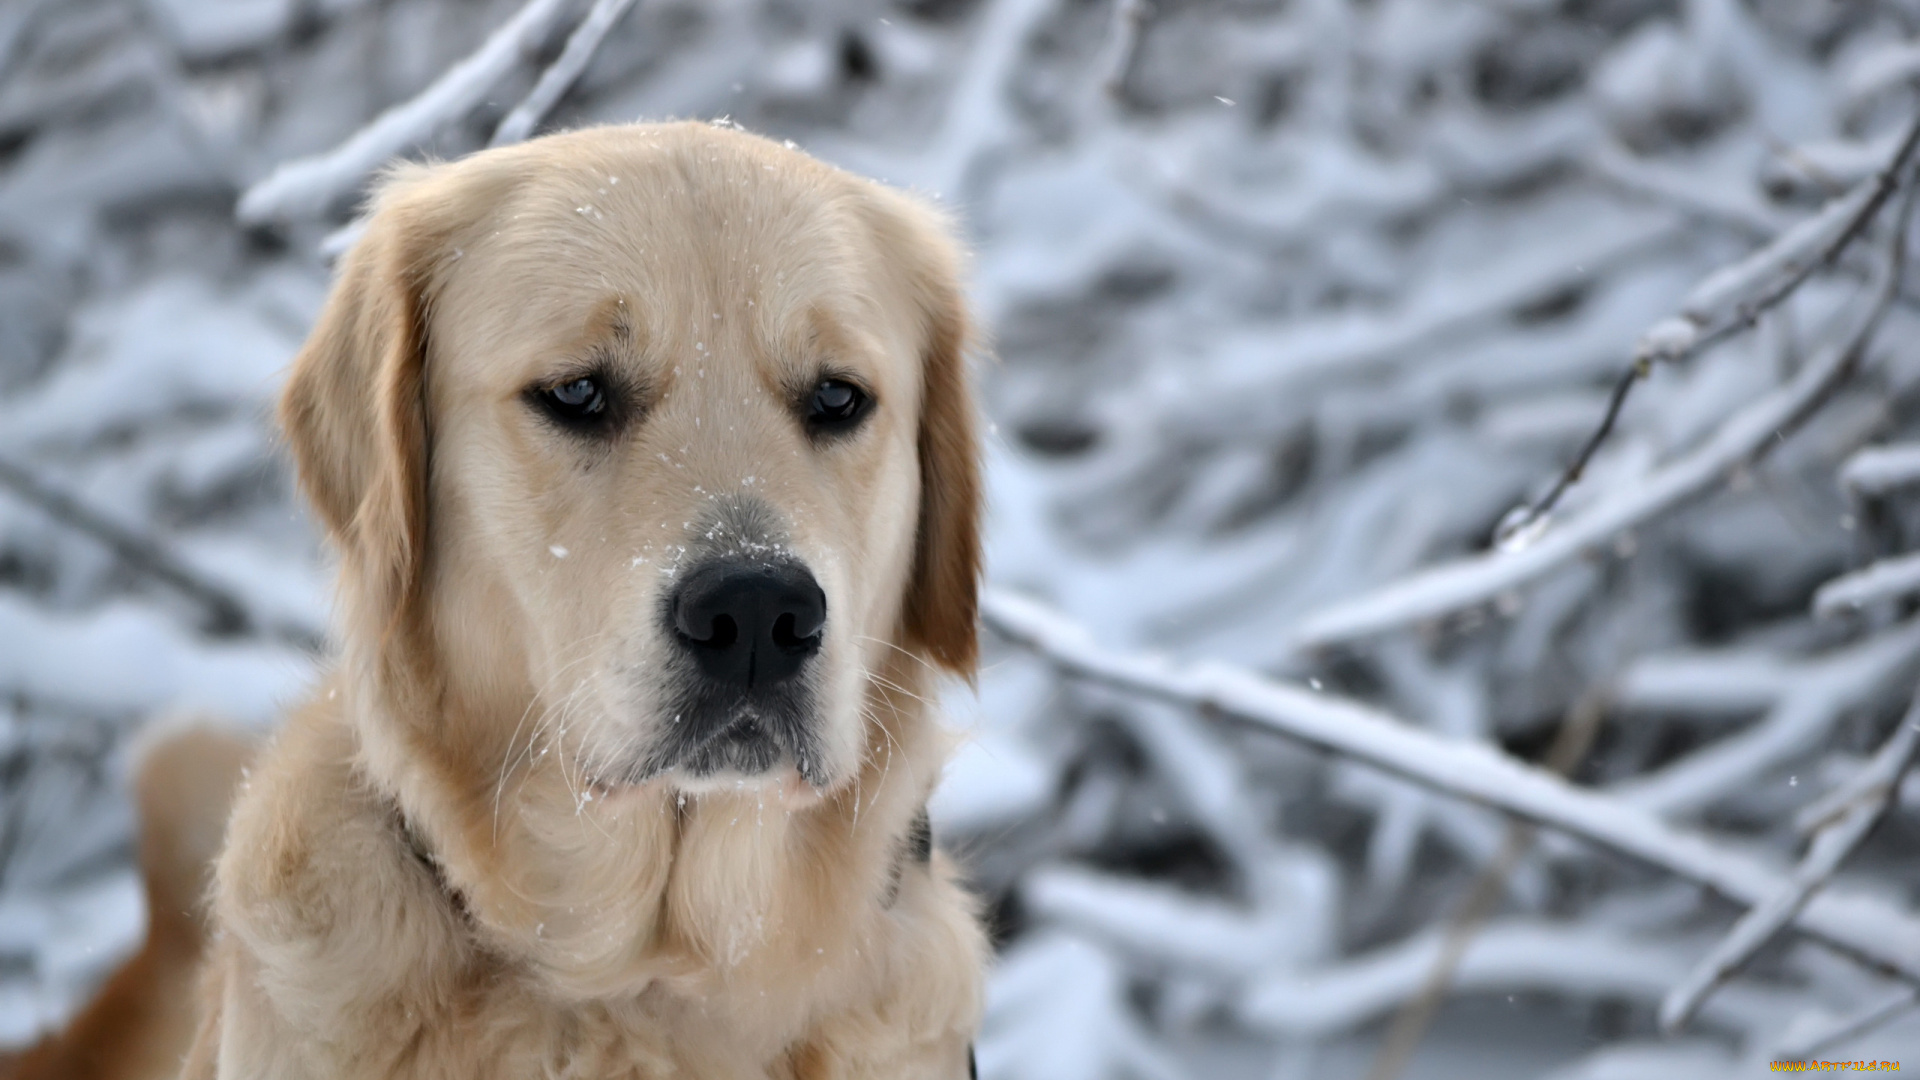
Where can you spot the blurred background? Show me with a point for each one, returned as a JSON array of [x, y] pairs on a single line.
[[1292, 304]]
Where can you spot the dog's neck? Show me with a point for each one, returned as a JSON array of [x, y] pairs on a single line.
[[604, 897]]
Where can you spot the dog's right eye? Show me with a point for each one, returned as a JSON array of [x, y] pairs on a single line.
[[580, 403]]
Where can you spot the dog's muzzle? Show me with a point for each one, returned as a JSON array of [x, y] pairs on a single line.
[[746, 633]]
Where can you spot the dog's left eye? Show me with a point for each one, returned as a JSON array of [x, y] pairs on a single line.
[[836, 405], [576, 403]]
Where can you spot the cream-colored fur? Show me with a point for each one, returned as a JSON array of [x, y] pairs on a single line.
[[434, 871]]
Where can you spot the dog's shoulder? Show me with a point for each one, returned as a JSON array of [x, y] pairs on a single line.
[[305, 824], [319, 886]]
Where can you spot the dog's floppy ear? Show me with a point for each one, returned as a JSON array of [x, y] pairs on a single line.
[[354, 409], [941, 613]]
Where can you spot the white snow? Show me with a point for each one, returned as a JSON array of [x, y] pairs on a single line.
[[1284, 305]]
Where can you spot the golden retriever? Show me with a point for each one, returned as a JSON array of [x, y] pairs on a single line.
[[649, 456]]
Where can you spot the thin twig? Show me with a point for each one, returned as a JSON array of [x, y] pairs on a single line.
[[1726, 303], [1830, 847], [227, 613], [1737, 443], [1515, 525], [1570, 746], [307, 186], [1862, 927], [518, 125]]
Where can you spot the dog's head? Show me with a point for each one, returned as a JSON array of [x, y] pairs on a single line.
[[656, 440]]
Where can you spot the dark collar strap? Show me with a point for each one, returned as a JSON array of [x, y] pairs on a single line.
[[918, 849], [920, 838], [416, 845]]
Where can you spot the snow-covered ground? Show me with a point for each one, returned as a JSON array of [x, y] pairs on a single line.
[[1293, 303]]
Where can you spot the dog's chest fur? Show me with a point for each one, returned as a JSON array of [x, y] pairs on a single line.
[[349, 951]]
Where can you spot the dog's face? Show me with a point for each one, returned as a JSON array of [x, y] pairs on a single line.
[[679, 428], [663, 433]]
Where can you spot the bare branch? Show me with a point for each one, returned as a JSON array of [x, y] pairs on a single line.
[[560, 76], [1859, 926], [307, 186], [1829, 849]]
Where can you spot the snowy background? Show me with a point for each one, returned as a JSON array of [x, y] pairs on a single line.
[[1293, 302]]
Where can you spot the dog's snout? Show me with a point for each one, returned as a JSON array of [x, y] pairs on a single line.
[[750, 625]]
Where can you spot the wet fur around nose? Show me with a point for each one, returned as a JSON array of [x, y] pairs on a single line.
[[560, 897]]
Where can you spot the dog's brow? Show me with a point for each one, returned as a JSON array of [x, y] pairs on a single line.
[[811, 344], [609, 327], [827, 337]]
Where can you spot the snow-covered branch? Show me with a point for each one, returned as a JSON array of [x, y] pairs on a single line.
[[1857, 925], [1444, 589], [1871, 793], [554, 82], [1878, 470], [1887, 579], [1733, 297], [1514, 956], [1821, 692], [308, 186], [1729, 300]]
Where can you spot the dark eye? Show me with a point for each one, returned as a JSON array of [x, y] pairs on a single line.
[[576, 403], [836, 405]]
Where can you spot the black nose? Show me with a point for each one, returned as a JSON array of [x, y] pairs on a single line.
[[749, 625]]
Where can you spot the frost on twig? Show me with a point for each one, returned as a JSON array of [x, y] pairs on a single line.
[[308, 186]]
